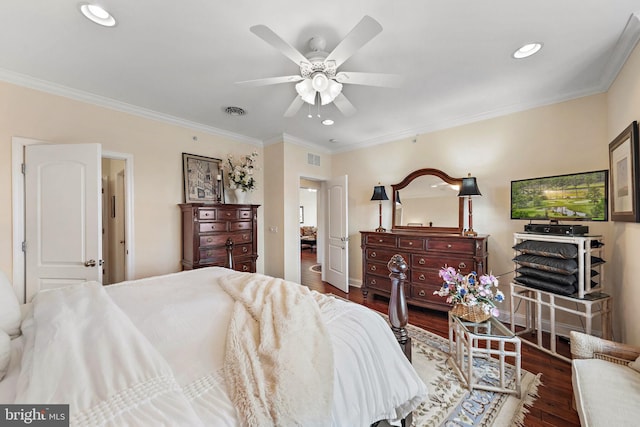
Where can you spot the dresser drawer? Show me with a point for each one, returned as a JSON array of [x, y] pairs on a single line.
[[244, 214], [424, 277], [206, 214], [240, 225], [247, 266], [416, 244], [425, 294], [378, 282], [227, 214], [240, 250], [213, 239], [381, 240], [465, 265], [239, 238], [208, 254], [207, 227], [379, 255], [467, 246], [377, 268]]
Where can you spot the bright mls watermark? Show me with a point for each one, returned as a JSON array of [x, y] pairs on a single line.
[[34, 415]]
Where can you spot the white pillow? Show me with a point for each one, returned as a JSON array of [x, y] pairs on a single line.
[[9, 307], [5, 353], [635, 364]]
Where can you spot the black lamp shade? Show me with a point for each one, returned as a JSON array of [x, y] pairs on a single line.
[[469, 187], [379, 193]]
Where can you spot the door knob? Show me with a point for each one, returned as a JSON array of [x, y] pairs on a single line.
[[90, 263]]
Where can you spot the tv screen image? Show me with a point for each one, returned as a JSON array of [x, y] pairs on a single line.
[[576, 197]]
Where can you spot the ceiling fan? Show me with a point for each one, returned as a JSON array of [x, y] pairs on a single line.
[[319, 79]]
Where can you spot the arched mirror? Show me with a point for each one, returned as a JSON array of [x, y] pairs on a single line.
[[427, 200]]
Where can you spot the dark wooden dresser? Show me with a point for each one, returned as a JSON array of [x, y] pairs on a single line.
[[207, 228], [425, 254]]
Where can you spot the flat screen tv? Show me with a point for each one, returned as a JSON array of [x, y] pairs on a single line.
[[571, 197]]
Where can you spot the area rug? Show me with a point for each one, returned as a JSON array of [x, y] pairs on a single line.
[[450, 403], [316, 268]]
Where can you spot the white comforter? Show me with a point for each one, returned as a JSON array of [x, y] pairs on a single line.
[[151, 352]]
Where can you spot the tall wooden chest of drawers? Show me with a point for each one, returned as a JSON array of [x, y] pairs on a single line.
[[206, 229], [425, 255]]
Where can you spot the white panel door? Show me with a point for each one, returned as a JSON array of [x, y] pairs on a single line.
[[336, 264], [62, 215]]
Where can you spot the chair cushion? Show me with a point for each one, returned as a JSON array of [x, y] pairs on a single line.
[[606, 394]]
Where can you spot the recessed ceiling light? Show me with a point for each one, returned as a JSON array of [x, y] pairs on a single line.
[[527, 50], [97, 14], [327, 122]]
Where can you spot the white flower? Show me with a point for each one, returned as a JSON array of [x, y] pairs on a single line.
[[241, 174]]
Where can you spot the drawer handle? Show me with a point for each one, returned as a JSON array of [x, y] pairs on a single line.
[[244, 250], [373, 268], [421, 277], [449, 245], [209, 240], [422, 293], [462, 265], [245, 237], [209, 254], [373, 282], [422, 261], [380, 241], [245, 268], [410, 243], [228, 213], [373, 254]]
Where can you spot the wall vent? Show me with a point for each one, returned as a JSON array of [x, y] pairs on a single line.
[[313, 159]]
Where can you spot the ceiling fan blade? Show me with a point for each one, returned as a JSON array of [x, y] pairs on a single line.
[[266, 34], [344, 105], [294, 107], [270, 81], [364, 31], [370, 79]]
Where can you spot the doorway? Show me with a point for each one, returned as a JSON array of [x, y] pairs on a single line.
[[113, 221], [310, 263]]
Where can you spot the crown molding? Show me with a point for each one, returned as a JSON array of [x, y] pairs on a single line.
[[621, 51], [101, 101]]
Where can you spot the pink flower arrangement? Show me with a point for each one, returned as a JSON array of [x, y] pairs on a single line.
[[470, 289]]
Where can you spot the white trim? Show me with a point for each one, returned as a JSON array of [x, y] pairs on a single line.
[[129, 233], [79, 95], [17, 204], [623, 48]]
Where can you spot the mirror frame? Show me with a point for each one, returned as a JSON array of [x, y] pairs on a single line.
[[446, 178]]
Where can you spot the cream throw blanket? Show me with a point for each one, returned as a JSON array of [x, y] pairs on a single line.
[[279, 359]]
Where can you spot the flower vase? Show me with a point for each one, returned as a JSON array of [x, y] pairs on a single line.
[[241, 196]]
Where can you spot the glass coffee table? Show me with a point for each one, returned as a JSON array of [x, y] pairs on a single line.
[[468, 340]]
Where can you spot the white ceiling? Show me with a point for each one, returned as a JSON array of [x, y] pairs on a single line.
[[178, 60]]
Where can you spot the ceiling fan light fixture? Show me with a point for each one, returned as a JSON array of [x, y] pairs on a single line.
[[97, 14], [527, 50], [306, 91]]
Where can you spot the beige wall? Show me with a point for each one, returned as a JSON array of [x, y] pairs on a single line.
[[557, 139], [157, 150], [623, 270]]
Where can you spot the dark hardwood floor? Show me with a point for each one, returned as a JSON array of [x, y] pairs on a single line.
[[553, 406]]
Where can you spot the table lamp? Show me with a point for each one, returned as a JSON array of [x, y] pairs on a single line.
[[379, 194], [469, 188]]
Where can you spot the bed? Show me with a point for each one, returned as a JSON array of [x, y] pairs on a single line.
[[180, 349]]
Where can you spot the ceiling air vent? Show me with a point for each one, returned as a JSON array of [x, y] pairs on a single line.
[[235, 111], [313, 159]]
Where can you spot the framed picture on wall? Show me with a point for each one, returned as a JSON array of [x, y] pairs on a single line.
[[202, 179], [623, 166]]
